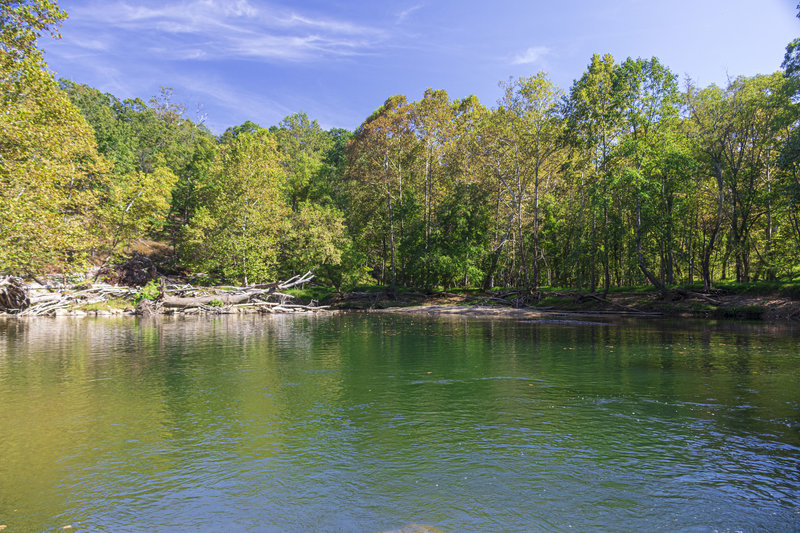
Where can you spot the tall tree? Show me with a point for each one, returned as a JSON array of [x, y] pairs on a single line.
[[594, 127], [51, 177], [736, 129], [646, 94], [380, 156], [234, 237]]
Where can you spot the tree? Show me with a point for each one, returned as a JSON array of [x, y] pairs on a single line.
[[432, 119], [136, 205], [146, 143], [235, 236], [315, 238], [533, 103], [593, 128], [646, 94], [304, 145], [380, 154], [736, 131], [51, 177]]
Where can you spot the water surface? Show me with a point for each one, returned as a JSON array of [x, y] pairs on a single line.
[[367, 423]]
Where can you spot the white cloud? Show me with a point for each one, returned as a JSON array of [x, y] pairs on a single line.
[[404, 14], [531, 55], [97, 45], [212, 29], [235, 98]]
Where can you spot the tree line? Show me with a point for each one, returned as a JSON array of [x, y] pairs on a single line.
[[627, 178]]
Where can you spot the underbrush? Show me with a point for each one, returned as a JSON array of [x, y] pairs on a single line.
[[110, 305], [307, 294], [785, 289]]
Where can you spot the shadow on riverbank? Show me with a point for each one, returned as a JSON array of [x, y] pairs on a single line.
[[621, 304]]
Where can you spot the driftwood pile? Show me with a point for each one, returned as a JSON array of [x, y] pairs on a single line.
[[21, 299], [265, 298]]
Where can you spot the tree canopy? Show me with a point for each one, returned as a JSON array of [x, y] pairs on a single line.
[[624, 179]]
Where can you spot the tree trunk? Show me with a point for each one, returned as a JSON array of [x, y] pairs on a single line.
[[536, 253], [391, 225], [640, 253]]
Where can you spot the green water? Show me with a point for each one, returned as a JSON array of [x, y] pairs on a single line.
[[372, 422]]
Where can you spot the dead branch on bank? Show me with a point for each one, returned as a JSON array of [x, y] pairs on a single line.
[[231, 296], [36, 299]]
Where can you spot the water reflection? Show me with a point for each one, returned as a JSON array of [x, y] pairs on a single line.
[[361, 423]]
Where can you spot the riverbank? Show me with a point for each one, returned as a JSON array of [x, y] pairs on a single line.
[[169, 297], [767, 307]]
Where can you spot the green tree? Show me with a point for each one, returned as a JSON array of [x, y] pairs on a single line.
[[532, 105], [736, 133], [304, 145], [315, 238], [594, 127], [380, 156], [136, 205], [646, 94], [147, 142], [51, 177], [235, 236]]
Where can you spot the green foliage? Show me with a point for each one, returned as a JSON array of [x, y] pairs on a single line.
[[22, 22], [161, 162], [235, 235], [136, 205], [315, 237], [317, 292], [150, 291], [624, 182], [51, 177]]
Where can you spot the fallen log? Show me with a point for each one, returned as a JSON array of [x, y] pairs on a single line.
[[44, 298], [691, 294], [180, 302]]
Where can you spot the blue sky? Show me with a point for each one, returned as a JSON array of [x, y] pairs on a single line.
[[234, 60]]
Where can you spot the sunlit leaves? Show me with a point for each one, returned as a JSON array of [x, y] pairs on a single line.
[[235, 236], [51, 177]]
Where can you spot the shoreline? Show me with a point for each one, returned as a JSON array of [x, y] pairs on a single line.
[[509, 312], [104, 300], [769, 308]]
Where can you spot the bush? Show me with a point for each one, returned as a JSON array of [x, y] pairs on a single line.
[[148, 292]]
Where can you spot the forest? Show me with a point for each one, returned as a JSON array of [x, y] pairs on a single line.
[[629, 177]]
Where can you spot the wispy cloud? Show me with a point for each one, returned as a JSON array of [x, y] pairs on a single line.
[[213, 29], [532, 55], [404, 14], [234, 99], [241, 104]]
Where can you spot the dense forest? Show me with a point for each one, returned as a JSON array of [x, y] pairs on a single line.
[[627, 178]]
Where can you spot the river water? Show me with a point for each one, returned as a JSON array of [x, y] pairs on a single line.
[[364, 423]]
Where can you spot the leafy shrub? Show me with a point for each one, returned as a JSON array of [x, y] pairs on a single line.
[[148, 292]]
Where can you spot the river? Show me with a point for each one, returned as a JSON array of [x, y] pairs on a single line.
[[365, 423]]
